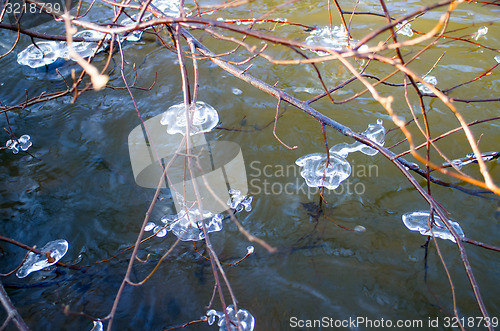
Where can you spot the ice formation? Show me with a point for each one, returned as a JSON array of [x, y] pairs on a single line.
[[35, 262], [44, 53], [204, 118], [246, 320], [404, 28], [238, 202], [97, 326], [168, 7], [417, 221], [428, 79], [250, 249], [149, 226], [359, 228], [160, 231], [189, 227], [23, 143], [236, 91], [186, 225], [482, 31], [497, 58], [48, 52], [83, 48], [317, 172], [470, 158], [135, 35], [336, 39], [375, 132]]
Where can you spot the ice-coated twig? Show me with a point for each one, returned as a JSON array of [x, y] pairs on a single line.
[[54, 250], [23, 143], [420, 220], [240, 321], [203, 118]]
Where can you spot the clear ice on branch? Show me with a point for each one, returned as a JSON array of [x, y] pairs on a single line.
[[246, 320], [187, 226], [44, 53], [23, 143], [418, 221], [87, 48], [203, 118], [471, 158], [34, 262], [404, 28], [374, 132], [168, 7], [336, 39], [428, 79], [318, 172], [47, 52], [238, 201]]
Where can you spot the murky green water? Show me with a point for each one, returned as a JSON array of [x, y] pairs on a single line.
[[80, 187]]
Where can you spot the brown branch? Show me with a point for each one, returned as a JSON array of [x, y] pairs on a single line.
[[12, 313]]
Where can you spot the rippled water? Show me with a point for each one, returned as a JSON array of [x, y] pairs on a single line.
[[80, 187]]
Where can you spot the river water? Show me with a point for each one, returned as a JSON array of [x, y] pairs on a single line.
[[79, 186]]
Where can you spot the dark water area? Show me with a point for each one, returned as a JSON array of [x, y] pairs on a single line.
[[78, 185]]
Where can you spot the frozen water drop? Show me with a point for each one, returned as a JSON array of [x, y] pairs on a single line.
[[246, 320], [237, 91], [363, 48], [86, 49], [359, 228], [34, 262], [238, 201], [160, 231], [149, 226], [97, 326], [187, 226], [497, 58], [418, 221], [212, 314], [12, 144], [470, 158], [168, 219], [135, 35], [24, 142], [428, 79], [336, 39], [404, 28], [374, 132], [170, 8], [203, 118], [250, 249], [234, 191], [317, 172], [44, 53], [482, 31], [457, 163]]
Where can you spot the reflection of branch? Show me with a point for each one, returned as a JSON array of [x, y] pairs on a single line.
[[36, 251]]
